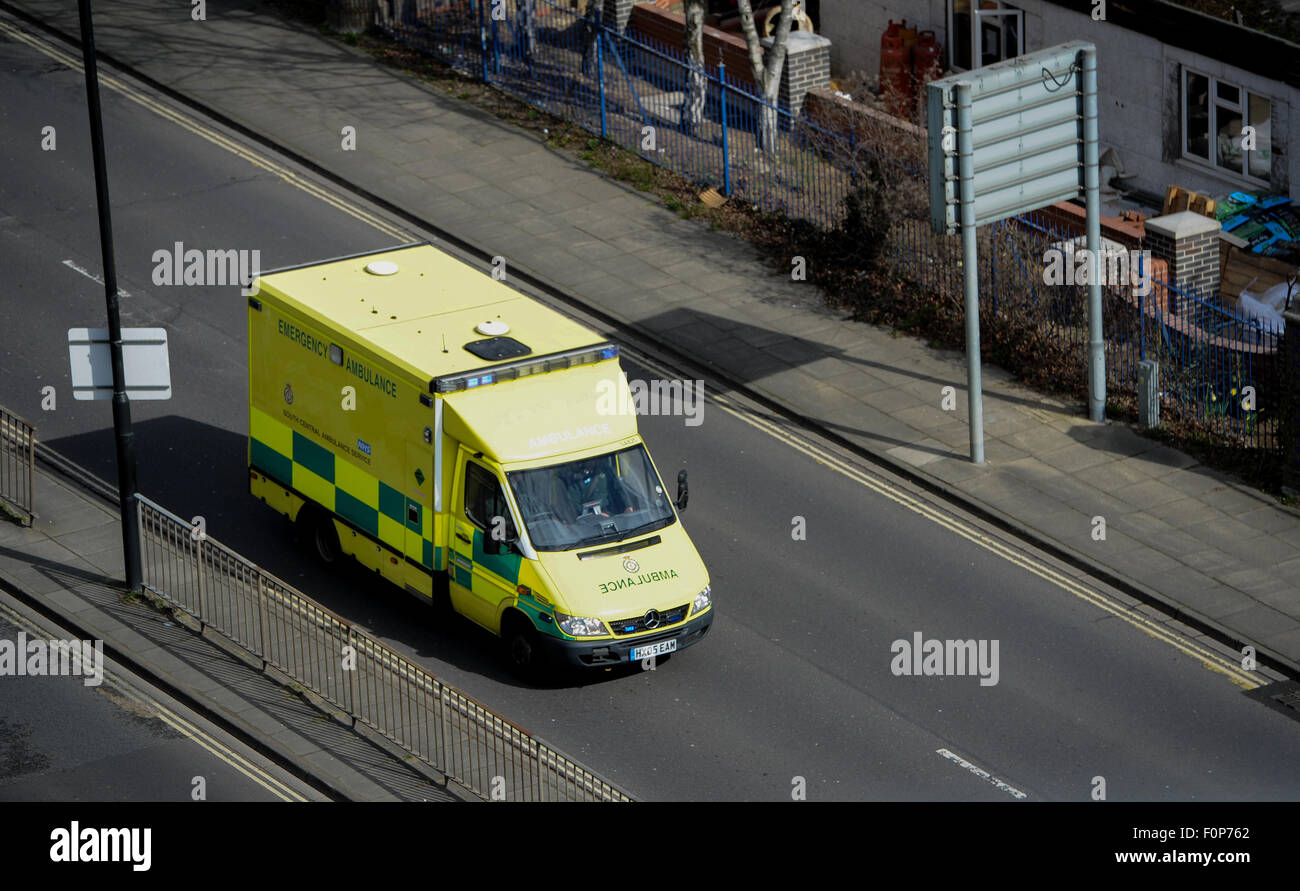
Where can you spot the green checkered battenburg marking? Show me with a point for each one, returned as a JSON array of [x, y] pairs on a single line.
[[361, 499]]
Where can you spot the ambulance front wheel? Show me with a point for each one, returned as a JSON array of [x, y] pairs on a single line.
[[522, 648], [319, 534]]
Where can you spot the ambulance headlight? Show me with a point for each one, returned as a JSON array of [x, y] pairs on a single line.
[[702, 600], [580, 626]]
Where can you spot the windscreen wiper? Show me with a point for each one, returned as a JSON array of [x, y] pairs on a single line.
[[595, 539]]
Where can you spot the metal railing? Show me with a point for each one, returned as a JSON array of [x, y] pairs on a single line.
[[1215, 365], [17, 459], [479, 750]]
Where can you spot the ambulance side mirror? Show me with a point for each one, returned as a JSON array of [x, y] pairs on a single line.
[[683, 494]]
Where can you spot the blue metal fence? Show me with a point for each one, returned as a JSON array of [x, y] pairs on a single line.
[[704, 125], [1215, 365], [644, 97]]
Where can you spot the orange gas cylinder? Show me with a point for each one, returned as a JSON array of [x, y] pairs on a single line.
[[896, 77], [894, 30], [925, 59]]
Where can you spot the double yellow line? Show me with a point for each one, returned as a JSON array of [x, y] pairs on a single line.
[[1209, 658], [289, 176]]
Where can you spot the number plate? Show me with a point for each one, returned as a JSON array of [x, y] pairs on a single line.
[[655, 649]]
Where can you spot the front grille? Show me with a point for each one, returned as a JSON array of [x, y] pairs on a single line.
[[637, 624]]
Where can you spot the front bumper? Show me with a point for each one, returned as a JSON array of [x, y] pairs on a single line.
[[608, 652]]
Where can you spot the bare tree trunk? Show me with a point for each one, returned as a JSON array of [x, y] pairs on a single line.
[[697, 83], [393, 13], [767, 73], [529, 16], [591, 35]]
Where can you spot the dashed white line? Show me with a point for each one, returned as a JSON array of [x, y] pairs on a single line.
[[90, 275], [983, 774]]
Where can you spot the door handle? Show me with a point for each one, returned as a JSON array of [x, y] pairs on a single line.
[[463, 538]]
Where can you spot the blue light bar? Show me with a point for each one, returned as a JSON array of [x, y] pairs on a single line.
[[451, 383]]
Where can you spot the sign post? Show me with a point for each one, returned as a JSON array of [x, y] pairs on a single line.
[[970, 271], [1092, 197], [1025, 137]]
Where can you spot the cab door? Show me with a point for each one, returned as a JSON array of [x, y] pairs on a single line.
[[483, 570]]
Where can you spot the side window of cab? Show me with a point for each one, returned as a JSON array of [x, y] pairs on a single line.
[[484, 499]]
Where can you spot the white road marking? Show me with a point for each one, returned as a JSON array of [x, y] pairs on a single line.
[[90, 275], [983, 774]]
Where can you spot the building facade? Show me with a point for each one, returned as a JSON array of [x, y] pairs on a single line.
[[1185, 99]]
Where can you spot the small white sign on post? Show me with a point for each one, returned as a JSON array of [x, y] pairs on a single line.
[[144, 363]]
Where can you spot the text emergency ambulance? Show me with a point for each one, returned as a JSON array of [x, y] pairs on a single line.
[[443, 429]]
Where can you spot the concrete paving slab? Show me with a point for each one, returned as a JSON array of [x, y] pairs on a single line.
[[1267, 519], [924, 452], [1074, 457]]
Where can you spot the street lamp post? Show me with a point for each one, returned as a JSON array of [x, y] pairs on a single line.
[[123, 434]]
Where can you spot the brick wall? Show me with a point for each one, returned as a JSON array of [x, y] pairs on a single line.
[[842, 115], [807, 62], [1071, 218], [664, 28]]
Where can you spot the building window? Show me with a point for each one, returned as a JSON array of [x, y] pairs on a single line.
[[993, 32], [1215, 112]]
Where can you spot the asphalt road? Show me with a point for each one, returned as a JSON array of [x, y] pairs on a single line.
[[117, 739], [793, 682]]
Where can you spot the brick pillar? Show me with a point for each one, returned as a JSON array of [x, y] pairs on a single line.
[[1189, 242], [1289, 417], [615, 13], [807, 67]]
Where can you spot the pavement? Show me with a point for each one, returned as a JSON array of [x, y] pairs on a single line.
[[1214, 553], [68, 566]]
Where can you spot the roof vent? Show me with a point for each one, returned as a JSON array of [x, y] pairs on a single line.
[[381, 267], [496, 349], [492, 328]]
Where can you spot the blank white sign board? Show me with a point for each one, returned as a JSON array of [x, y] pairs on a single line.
[[144, 363]]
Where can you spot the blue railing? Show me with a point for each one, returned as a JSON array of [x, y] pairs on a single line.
[[709, 126], [1215, 365], [702, 124]]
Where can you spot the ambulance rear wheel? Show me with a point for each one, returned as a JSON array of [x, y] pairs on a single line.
[[319, 534]]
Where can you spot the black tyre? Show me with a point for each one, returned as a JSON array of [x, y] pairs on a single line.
[[523, 650], [317, 533], [441, 603]]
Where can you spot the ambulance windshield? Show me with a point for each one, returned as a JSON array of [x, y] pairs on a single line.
[[591, 501]]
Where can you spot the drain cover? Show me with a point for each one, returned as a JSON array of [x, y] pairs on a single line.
[[1283, 696]]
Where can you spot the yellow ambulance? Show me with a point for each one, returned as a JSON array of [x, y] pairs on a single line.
[[448, 432]]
